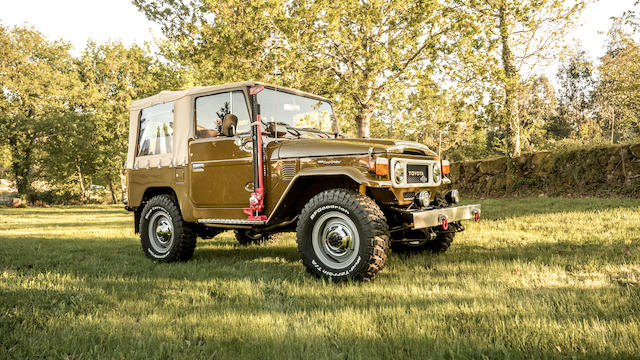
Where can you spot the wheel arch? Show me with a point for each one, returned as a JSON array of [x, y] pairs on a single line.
[[148, 194], [303, 188]]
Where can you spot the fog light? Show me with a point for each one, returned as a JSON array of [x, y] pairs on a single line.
[[423, 198], [453, 197]]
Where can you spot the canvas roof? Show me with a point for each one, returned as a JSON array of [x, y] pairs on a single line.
[[166, 96]]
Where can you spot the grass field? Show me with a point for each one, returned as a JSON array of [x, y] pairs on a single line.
[[537, 278]]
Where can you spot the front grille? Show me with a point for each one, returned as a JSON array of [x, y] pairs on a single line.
[[417, 174]]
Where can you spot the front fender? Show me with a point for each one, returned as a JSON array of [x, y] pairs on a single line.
[[361, 177], [322, 176]]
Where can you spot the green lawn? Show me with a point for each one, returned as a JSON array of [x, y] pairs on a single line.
[[537, 278]]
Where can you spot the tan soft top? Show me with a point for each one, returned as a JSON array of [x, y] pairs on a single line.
[[166, 96], [183, 129]]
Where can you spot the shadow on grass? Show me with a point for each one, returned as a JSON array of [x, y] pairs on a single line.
[[221, 259], [56, 211], [158, 328], [80, 225]]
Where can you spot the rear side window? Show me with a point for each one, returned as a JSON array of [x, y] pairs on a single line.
[[156, 130], [211, 110]]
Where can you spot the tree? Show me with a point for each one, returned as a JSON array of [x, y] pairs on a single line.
[[217, 41], [354, 51], [538, 109], [112, 76], [505, 39], [617, 95], [368, 50], [575, 96], [37, 81]]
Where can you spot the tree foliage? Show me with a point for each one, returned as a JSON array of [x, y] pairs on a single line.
[[504, 41], [455, 75], [37, 82]]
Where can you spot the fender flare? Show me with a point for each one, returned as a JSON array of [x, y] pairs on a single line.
[[360, 177]]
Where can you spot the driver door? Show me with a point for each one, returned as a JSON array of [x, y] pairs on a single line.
[[221, 167]]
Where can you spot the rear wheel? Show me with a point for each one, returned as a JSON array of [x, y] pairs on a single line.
[[163, 234], [343, 235]]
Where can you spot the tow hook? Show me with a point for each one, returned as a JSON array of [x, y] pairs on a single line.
[[476, 215], [445, 222]]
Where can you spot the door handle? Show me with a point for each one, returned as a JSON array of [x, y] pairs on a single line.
[[197, 167]]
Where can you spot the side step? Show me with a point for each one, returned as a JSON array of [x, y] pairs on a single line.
[[232, 221]]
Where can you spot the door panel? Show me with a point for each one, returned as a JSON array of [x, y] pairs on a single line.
[[220, 171]]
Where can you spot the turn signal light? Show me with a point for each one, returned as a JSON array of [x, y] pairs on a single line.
[[446, 167], [382, 166]]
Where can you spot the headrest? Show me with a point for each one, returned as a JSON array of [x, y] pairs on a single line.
[[229, 125]]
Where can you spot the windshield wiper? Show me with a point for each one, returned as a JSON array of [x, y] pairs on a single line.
[[316, 131], [287, 126]]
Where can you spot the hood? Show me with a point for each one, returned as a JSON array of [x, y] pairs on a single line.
[[337, 147]]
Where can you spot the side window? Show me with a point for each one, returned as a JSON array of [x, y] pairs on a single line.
[[156, 130], [211, 110]]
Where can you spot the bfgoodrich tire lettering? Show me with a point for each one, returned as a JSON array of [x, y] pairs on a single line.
[[164, 235], [343, 235]]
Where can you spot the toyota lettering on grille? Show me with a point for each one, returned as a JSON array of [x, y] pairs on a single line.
[[417, 174]]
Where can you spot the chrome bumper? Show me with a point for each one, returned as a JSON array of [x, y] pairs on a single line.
[[436, 217]]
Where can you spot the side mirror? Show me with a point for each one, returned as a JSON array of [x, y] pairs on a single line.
[[229, 125]]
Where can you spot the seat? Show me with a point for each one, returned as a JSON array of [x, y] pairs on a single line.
[[207, 133], [229, 125]]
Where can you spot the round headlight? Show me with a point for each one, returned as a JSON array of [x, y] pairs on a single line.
[[398, 172], [423, 198], [436, 173]]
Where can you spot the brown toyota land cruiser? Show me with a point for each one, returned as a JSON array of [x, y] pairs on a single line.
[[260, 160]]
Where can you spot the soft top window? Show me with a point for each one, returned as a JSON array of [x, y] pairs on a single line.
[[156, 130], [211, 110]]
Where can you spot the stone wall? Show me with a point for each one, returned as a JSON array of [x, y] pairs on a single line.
[[605, 171]]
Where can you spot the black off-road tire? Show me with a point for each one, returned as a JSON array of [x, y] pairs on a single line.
[[440, 244], [182, 242], [327, 210], [247, 237]]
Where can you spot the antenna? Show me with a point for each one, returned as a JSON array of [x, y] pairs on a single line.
[[440, 146]]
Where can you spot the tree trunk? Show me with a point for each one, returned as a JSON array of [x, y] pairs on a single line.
[[113, 194], [82, 189], [21, 163], [363, 121], [613, 119], [511, 83]]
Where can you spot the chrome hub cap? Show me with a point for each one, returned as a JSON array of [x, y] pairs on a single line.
[[335, 239], [161, 232]]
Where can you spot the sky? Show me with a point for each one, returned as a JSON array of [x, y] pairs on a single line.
[[77, 21]]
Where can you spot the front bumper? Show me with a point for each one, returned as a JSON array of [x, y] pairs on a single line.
[[435, 217]]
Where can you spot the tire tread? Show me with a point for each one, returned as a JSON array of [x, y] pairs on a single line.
[[369, 212]]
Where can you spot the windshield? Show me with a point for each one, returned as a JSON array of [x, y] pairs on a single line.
[[295, 110]]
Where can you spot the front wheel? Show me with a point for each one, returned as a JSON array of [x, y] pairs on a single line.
[[343, 235]]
